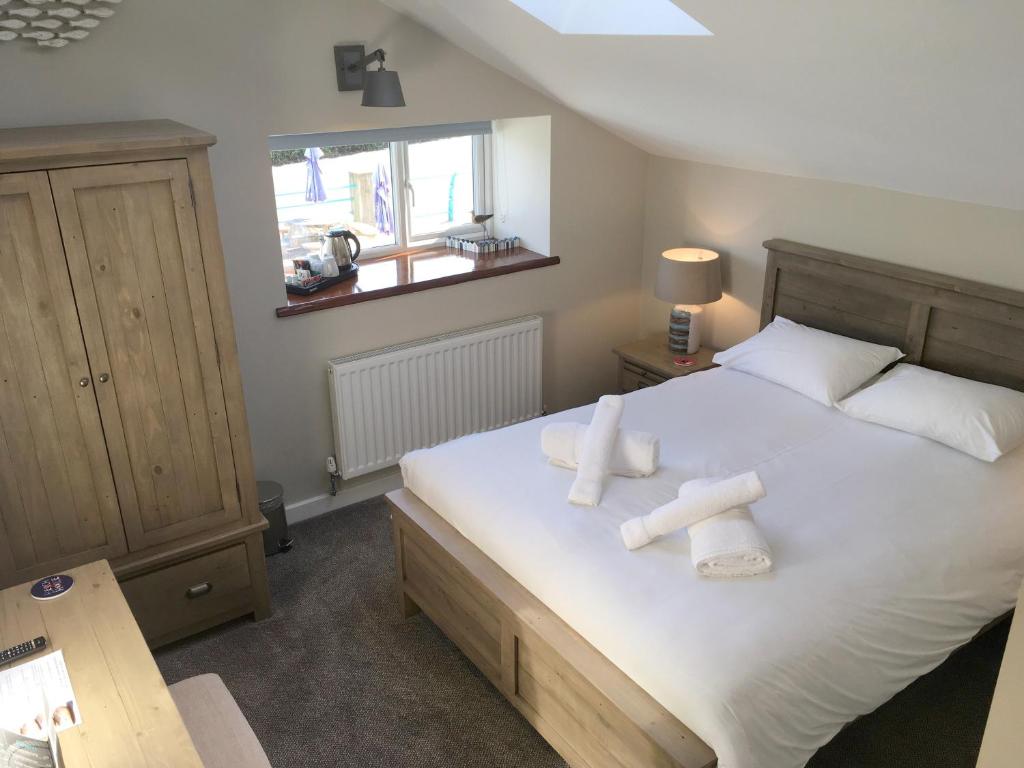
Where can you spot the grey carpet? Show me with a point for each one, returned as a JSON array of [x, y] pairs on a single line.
[[334, 678]]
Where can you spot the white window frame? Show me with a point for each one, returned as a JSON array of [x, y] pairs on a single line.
[[404, 193], [401, 188]]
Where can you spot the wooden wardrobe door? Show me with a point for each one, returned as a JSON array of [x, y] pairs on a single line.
[[133, 251], [58, 507]]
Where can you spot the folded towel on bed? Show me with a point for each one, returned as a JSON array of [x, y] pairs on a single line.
[[634, 454], [596, 452], [729, 544], [697, 500]]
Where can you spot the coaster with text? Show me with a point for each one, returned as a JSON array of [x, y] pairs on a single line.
[[52, 586]]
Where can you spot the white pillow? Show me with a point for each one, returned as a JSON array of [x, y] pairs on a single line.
[[824, 366], [982, 420]]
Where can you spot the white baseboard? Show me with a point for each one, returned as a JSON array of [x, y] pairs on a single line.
[[350, 494]]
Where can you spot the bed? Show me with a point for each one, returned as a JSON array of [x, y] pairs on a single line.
[[891, 551]]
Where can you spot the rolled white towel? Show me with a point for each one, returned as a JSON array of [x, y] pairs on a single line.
[[697, 500], [596, 453], [634, 454], [729, 545]]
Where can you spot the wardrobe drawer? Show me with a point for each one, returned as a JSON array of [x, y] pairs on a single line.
[[190, 596]]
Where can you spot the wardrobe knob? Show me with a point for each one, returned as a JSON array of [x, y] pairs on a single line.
[[104, 378], [84, 381]]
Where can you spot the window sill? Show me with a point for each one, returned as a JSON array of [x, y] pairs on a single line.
[[415, 270]]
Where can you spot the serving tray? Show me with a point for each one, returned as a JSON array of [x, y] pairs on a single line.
[[346, 274]]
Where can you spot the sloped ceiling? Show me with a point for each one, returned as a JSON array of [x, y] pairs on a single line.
[[922, 96]]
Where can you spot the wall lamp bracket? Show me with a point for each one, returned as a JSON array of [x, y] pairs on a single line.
[[380, 87], [350, 61]]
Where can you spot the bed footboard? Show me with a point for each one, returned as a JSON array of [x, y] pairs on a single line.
[[582, 704]]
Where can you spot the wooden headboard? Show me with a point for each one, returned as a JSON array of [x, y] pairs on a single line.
[[958, 326]]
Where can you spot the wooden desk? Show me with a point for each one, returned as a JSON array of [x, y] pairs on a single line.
[[128, 716], [1003, 743]]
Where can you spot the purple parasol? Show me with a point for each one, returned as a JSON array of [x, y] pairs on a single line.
[[315, 192], [382, 200]]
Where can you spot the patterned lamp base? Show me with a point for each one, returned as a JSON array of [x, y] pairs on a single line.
[[684, 329]]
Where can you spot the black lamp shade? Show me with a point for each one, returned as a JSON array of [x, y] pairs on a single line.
[[382, 89]]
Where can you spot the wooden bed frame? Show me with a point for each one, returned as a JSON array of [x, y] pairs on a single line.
[[585, 707]]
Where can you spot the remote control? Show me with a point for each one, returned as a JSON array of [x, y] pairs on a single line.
[[24, 649]]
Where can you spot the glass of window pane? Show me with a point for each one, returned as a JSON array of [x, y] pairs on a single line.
[[321, 188], [441, 179]]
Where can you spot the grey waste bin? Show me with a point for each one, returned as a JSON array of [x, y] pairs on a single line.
[[275, 538]]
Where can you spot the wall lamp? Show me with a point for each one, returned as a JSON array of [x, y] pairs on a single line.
[[380, 88]]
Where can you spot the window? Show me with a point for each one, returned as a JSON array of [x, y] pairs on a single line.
[[613, 17], [440, 184], [393, 189]]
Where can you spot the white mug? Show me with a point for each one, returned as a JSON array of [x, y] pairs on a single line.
[[329, 267]]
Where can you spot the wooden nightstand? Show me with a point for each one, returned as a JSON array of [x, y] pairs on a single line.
[[648, 361]]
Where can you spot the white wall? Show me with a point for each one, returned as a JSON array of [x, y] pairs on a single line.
[[522, 180], [245, 70], [734, 211]]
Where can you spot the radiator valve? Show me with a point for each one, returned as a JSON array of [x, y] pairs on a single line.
[[332, 470]]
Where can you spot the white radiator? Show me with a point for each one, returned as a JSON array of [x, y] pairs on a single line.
[[423, 393]]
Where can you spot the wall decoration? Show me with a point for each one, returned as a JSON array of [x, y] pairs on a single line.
[[52, 23]]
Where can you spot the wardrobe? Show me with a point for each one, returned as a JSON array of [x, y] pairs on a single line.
[[123, 433]]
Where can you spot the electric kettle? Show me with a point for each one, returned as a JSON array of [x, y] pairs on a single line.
[[335, 245]]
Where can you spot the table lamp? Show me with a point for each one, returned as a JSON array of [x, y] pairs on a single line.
[[688, 277]]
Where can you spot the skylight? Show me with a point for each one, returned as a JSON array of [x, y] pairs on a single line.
[[613, 17]]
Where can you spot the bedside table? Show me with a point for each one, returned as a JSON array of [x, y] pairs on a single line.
[[648, 361]]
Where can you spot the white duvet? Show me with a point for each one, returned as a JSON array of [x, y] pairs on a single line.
[[890, 552]]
